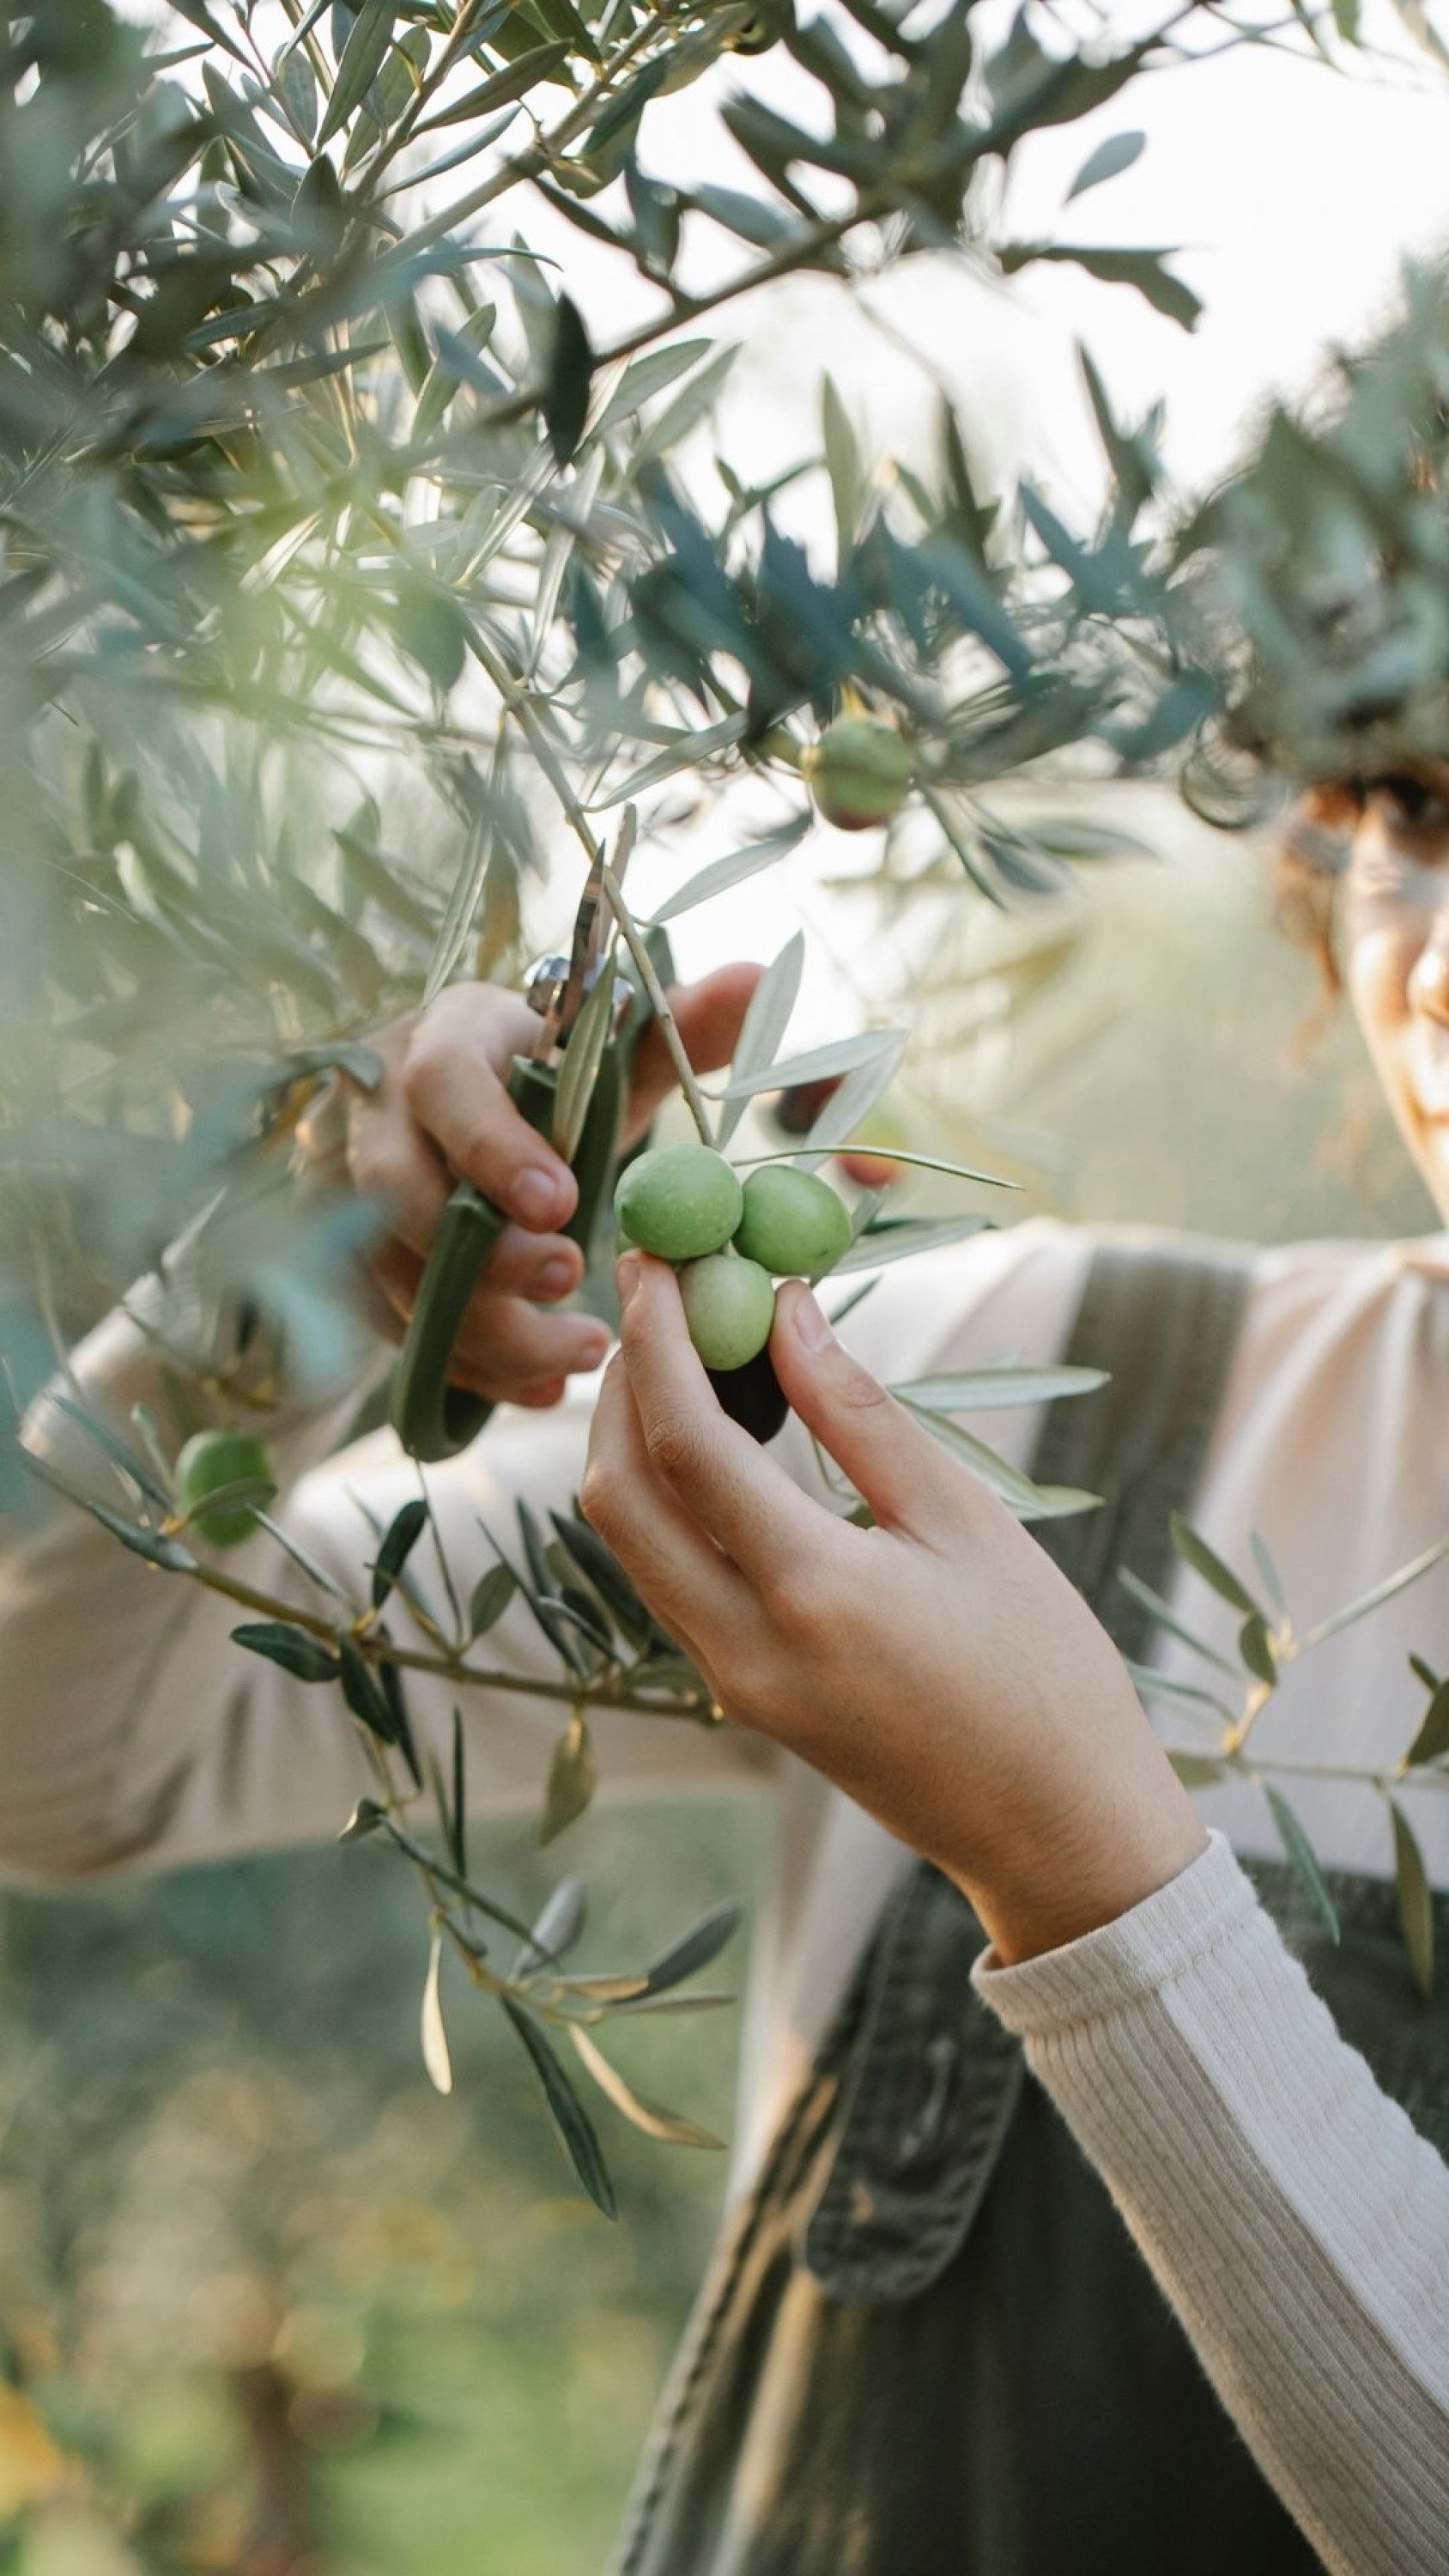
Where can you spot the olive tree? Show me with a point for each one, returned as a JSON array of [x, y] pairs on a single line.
[[324, 491]]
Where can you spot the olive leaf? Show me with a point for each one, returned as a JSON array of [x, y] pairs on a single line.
[[458, 1821], [361, 60], [583, 1059], [304, 1656], [1110, 158], [1000, 1383], [1255, 1645], [442, 379], [139, 1470], [842, 1055], [644, 377], [1196, 1770], [462, 904], [362, 1064], [366, 1818], [1140, 268], [1301, 1853], [565, 400], [694, 1949], [763, 1027], [1188, 1694], [843, 464], [1416, 1903], [165, 1552], [734, 869], [489, 1599], [407, 1528], [1029, 1501], [604, 1573], [1196, 1552], [434, 2035], [560, 1924], [572, 1779], [363, 1693], [1165, 1618], [669, 2126], [903, 1238], [852, 1102], [1432, 1738], [1381, 1592], [1272, 1579], [571, 2120]]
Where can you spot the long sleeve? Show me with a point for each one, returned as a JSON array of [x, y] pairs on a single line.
[[133, 1729], [1293, 2215]]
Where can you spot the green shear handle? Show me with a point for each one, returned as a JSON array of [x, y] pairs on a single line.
[[432, 1418]]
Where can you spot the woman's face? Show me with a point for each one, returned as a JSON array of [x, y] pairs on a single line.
[[1396, 956]]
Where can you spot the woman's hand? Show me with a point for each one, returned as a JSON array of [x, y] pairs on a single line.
[[442, 1114], [938, 1667]]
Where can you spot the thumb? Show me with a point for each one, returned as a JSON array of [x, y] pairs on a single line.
[[891, 1460], [708, 1016]]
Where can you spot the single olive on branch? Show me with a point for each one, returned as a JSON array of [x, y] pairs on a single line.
[[859, 773], [231, 1473]]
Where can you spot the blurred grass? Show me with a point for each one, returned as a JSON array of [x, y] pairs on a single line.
[[270, 2305]]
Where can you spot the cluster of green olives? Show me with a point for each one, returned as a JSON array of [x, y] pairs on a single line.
[[729, 1242]]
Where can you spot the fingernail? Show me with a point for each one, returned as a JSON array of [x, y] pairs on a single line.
[[592, 1346], [538, 1196], [556, 1276], [810, 1325], [626, 1273]]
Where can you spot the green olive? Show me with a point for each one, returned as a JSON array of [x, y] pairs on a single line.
[[794, 1223], [678, 1201], [859, 772], [729, 1306], [212, 1462]]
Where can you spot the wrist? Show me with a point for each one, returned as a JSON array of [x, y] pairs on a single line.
[[1043, 1890]]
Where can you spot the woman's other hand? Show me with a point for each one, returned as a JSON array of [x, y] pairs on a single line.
[[936, 1666], [442, 1114]]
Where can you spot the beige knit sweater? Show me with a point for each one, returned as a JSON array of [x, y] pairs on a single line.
[[1293, 2216]]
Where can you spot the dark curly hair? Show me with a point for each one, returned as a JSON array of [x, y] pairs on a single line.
[[1310, 857]]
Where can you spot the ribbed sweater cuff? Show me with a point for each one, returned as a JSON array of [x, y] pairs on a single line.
[[1295, 2218], [1125, 1962]]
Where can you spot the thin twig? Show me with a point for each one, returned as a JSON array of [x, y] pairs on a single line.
[[668, 1025]]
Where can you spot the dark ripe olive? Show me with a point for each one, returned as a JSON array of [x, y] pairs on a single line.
[[796, 1110], [752, 1396]]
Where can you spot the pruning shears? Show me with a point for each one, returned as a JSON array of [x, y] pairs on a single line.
[[432, 1418]]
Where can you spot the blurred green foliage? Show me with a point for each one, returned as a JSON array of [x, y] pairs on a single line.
[[271, 2305]]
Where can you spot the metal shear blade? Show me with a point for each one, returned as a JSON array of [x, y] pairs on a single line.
[[593, 923]]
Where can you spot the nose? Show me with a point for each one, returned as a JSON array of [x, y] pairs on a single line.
[[1429, 975]]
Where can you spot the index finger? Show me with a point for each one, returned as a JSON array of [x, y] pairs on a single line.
[[743, 1499], [455, 1082]]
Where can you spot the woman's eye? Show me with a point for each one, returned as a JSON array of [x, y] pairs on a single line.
[[1409, 801]]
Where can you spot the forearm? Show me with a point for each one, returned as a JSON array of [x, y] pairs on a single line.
[[1293, 2216]]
